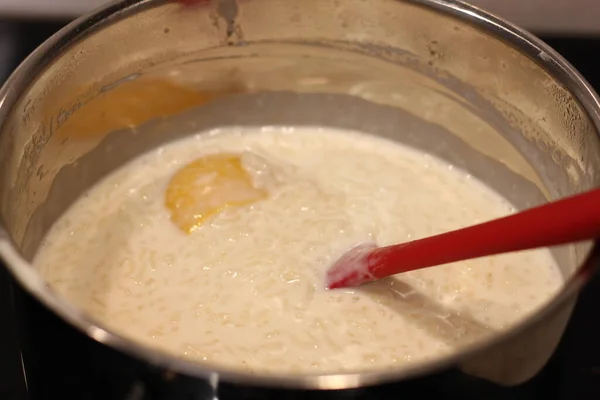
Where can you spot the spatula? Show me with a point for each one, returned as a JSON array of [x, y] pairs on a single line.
[[565, 221]]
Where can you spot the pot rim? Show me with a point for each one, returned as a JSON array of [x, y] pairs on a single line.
[[36, 286]]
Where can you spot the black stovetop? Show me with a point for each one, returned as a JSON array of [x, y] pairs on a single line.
[[572, 373]]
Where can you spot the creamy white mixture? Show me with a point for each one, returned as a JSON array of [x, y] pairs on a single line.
[[246, 289]]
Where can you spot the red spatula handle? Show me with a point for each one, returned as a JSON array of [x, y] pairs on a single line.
[[569, 220]]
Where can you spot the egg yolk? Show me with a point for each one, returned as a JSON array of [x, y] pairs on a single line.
[[206, 187]]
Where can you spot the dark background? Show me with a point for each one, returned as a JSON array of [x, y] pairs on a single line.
[[574, 370]]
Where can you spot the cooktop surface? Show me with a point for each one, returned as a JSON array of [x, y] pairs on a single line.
[[572, 373]]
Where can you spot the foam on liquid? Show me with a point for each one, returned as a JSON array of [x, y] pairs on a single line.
[[245, 290]]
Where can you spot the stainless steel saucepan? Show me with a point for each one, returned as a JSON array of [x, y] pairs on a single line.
[[438, 75]]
